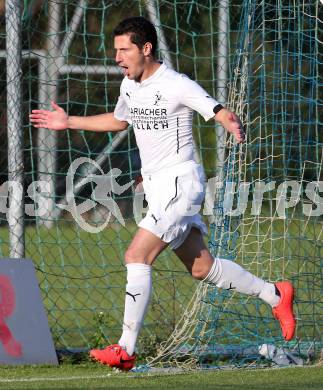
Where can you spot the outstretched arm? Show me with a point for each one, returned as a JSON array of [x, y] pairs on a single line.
[[231, 122], [59, 120]]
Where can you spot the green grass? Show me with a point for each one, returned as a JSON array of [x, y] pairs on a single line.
[[82, 275], [92, 377]]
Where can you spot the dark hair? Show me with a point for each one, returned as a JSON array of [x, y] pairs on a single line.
[[140, 30]]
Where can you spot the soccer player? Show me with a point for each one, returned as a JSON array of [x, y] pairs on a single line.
[[159, 103]]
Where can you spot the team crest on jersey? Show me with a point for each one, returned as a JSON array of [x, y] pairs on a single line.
[[158, 98]]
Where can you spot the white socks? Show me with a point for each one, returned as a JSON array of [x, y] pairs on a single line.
[[230, 276], [138, 293], [223, 273]]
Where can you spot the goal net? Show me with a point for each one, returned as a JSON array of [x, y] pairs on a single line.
[[263, 206]]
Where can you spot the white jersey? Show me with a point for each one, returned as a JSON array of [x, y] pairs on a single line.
[[160, 109]]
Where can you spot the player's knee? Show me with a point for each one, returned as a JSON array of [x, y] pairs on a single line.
[[200, 273], [132, 255]]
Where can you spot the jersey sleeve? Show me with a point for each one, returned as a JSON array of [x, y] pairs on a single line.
[[194, 96], [121, 111]]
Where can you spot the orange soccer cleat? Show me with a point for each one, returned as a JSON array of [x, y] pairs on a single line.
[[283, 312], [114, 356]]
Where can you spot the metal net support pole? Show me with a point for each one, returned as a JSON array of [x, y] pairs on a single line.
[[153, 15], [56, 57], [222, 77], [15, 130]]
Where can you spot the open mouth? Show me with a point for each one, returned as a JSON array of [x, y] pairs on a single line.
[[124, 70]]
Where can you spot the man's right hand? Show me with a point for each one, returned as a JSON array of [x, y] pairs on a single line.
[[54, 120]]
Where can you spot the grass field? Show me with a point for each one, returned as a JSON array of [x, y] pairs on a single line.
[[82, 275], [92, 377]]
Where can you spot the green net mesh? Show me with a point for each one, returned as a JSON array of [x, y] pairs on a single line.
[[261, 57]]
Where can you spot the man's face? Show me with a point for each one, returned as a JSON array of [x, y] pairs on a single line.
[[129, 57]]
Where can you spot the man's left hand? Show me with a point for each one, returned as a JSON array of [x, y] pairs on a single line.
[[232, 123]]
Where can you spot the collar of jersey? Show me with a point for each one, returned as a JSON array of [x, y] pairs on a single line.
[[156, 74]]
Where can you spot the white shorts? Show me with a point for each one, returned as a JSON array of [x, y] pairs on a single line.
[[174, 199]]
